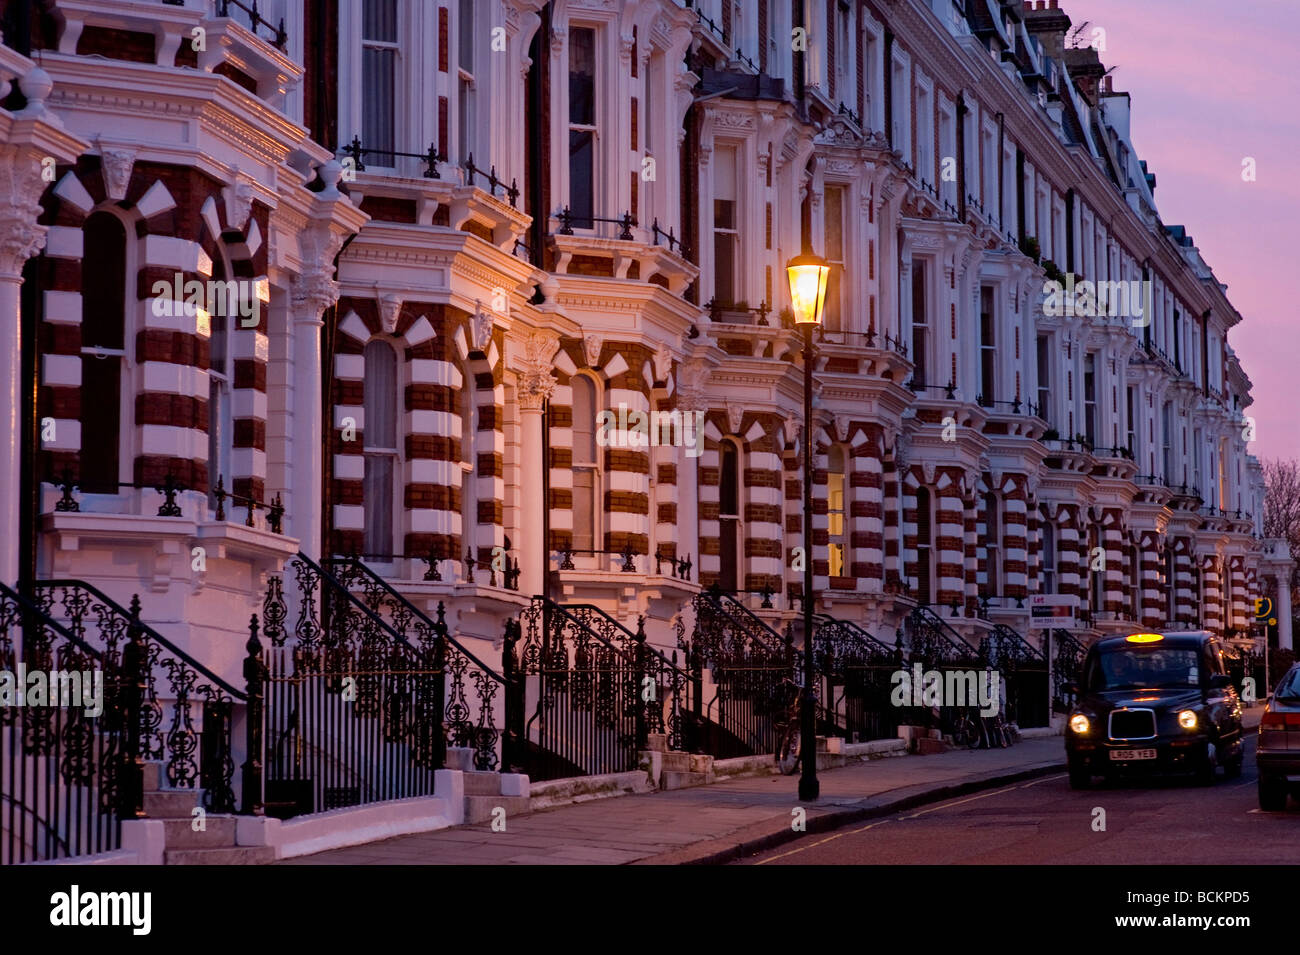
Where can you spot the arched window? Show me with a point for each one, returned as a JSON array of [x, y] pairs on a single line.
[[381, 453], [103, 352], [924, 547], [729, 516], [468, 461], [1096, 578], [586, 464], [837, 511], [220, 383]]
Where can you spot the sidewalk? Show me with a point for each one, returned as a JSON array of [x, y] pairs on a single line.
[[708, 823]]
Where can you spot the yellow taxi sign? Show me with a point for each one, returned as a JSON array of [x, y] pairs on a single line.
[[1145, 637]]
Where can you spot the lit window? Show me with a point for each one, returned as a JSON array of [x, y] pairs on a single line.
[[729, 498], [836, 508], [586, 464]]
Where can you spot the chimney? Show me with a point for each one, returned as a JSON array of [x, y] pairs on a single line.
[[1049, 24]]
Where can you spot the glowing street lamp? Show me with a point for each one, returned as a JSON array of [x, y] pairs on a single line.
[[808, 276]]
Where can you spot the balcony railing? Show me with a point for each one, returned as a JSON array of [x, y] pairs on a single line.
[[357, 151], [279, 39], [472, 173], [568, 220], [674, 244], [728, 312]]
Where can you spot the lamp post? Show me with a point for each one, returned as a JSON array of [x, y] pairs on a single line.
[[808, 275]]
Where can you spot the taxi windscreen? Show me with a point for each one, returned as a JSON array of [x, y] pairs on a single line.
[[1134, 668]]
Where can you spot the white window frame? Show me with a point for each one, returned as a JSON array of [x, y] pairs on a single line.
[[393, 454], [596, 468]]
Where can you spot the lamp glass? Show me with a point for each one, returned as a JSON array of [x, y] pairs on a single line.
[[808, 277]]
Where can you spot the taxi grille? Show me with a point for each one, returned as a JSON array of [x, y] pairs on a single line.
[[1132, 724]]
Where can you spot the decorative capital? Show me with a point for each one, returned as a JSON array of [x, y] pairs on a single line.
[[21, 186], [314, 291], [692, 377], [535, 389]]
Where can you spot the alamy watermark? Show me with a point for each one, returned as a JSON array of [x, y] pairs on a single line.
[[643, 429], [919, 687], [73, 688], [242, 297], [1071, 299]]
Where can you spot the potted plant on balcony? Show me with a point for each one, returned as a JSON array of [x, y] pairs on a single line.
[[1029, 246], [1051, 434]]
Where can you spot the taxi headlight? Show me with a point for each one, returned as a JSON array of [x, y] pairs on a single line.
[[1079, 724], [1187, 719]]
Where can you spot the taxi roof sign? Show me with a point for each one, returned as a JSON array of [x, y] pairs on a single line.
[[1145, 637]]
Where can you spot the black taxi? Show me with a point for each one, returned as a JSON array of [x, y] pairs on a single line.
[[1154, 702]]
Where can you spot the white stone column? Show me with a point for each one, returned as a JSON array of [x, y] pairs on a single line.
[[535, 386], [311, 296], [30, 141], [692, 381]]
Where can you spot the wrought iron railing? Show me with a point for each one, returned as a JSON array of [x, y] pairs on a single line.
[[60, 766], [279, 39], [569, 219], [354, 710], [1067, 667], [856, 672], [752, 669], [474, 173], [589, 717], [185, 710], [1024, 675], [357, 152]]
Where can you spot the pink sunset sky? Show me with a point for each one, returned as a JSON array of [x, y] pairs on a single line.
[[1211, 84]]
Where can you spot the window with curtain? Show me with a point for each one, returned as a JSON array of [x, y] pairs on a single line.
[[924, 548], [103, 352], [988, 347], [726, 239], [834, 236], [582, 127], [468, 460], [1049, 556], [379, 49], [837, 511], [1090, 398], [1044, 377], [729, 501], [220, 382], [381, 454], [586, 463], [992, 544], [920, 326], [467, 119]]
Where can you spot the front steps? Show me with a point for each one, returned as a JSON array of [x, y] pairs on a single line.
[[483, 798], [216, 843]]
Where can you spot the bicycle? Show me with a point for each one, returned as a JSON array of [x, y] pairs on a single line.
[[789, 737], [967, 731]]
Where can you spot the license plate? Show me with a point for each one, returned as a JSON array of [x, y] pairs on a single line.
[[1124, 754]]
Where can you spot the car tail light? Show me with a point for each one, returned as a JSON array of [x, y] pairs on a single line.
[[1280, 721]]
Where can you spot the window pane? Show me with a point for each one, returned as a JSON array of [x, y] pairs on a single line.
[[582, 77], [377, 68], [381, 396], [582, 170], [584, 528], [377, 493], [101, 397], [104, 282], [466, 38], [584, 420], [729, 496], [724, 265], [379, 20], [835, 225], [218, 436]]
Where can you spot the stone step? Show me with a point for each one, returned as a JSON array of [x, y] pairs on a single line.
[[230, 855], [482, 784], [676, 762], [218, 831], [479, 808], [171, 803], [927, 747], [678, 780]]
